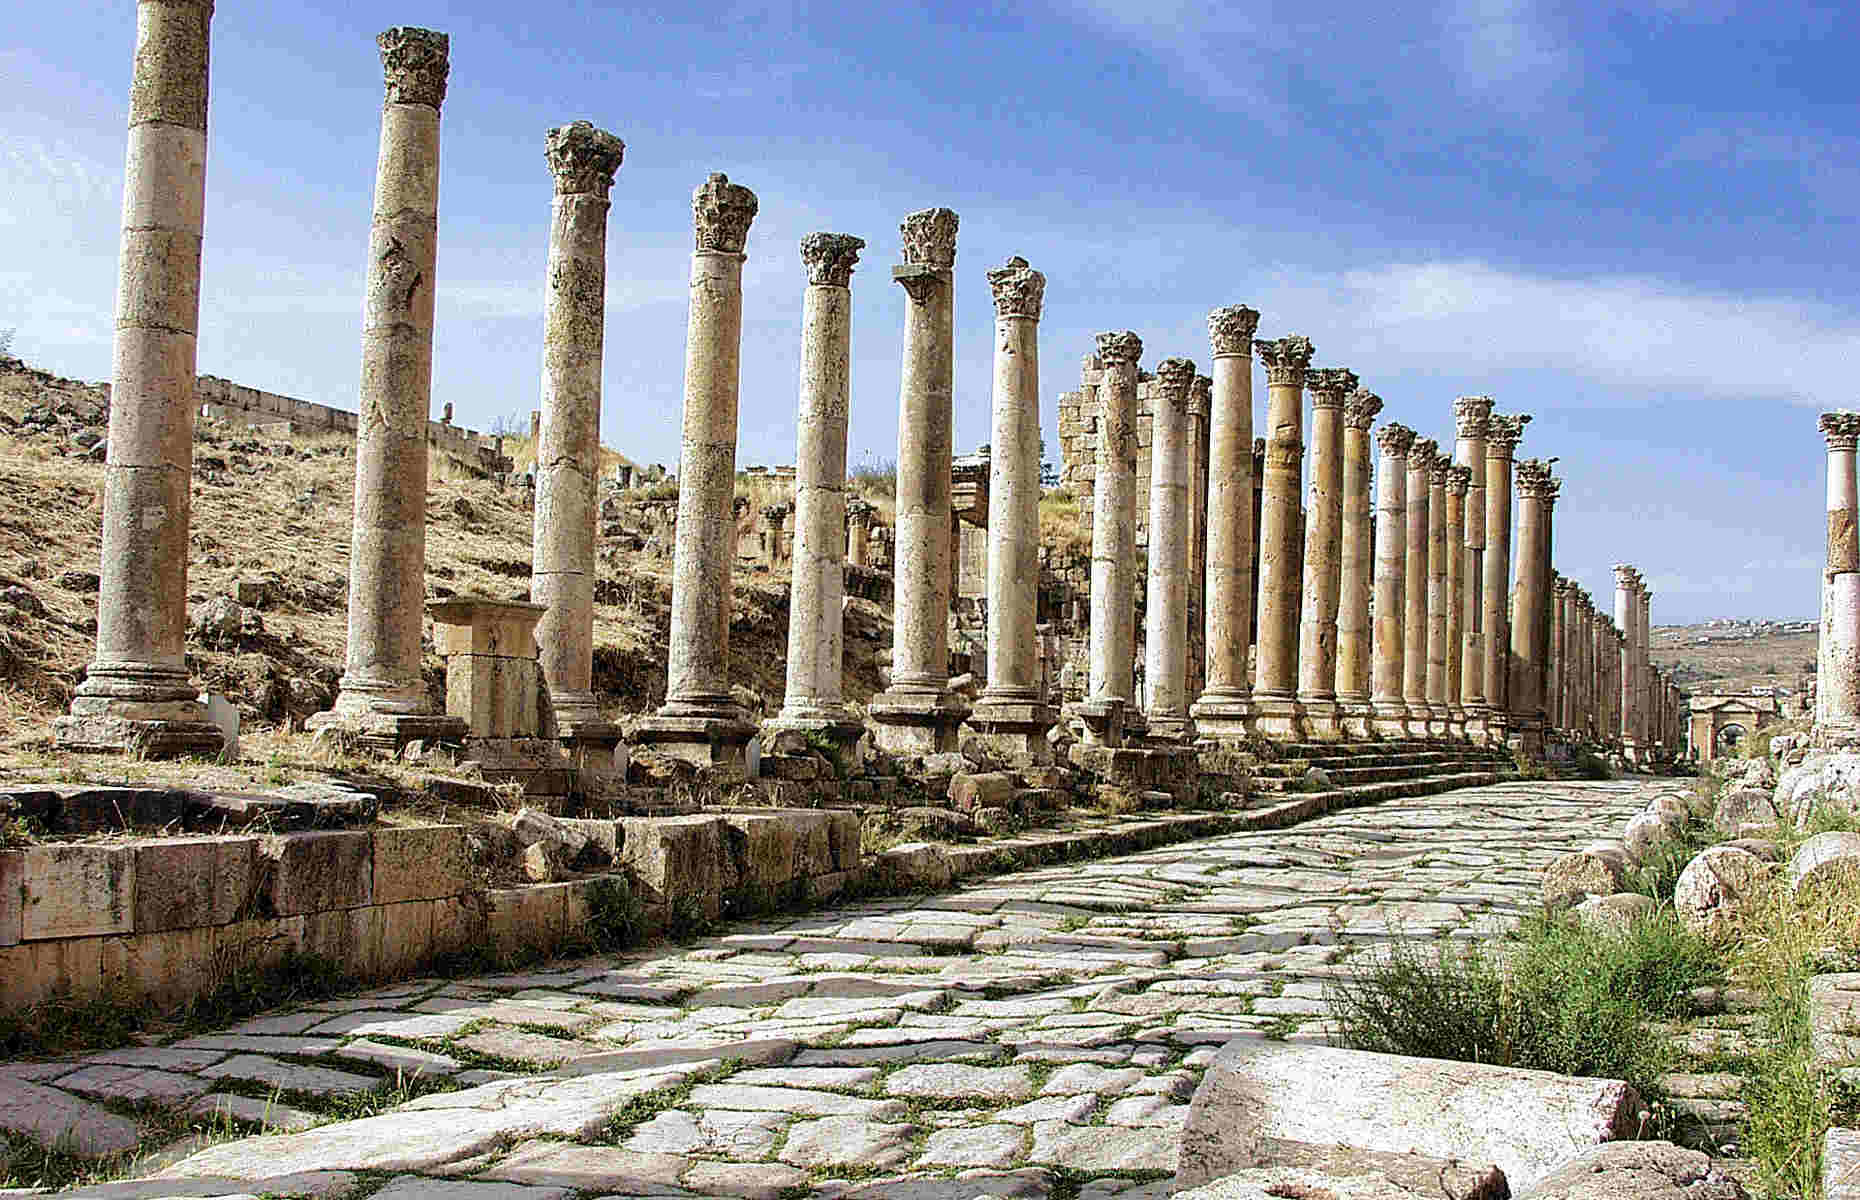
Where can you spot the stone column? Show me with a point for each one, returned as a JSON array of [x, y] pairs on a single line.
[[1437, 554], [918, 714], [1414, 591], [1643, 642], [1287, 360], [1225, 706], [1502, 436], [1356, 566], [1837, 688], [1471, 416], [1627, 604], [136, 695], [700, 721], [1391, 714], [1459, 483], [858, 531], [1530, 634], [1011, 715], [1556, 663], [1317, 626], [383, 699], [812, 701], [1113, 544], [1200, 407], [773, 517], [583, 160], [1165, 637]]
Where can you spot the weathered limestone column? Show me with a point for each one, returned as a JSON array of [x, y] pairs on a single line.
[[1627, 605], [1200, 407], [1414, 591], [1530, 634], [1459, 483], [700, 721], [918, 714], [1437, 554], [1113, 544], [1356, 567], [1837, 688], [1501, 441], [1317, 625], [773, 517], [1225, 706], [1556, 669], [1391, 713], [858, 531], [1011, 715], [1643, 644], [1471, 415], [383, 700], [136, 694], [583, 161], [813, 701], [1287, 361], [1165, 635]]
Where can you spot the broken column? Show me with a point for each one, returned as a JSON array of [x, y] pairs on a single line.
[[1317, 626], [773, 517], [136, 695], [1165, 637], [1225, 705], [1011, 715], [1281, 518], [1356, 572], [1530, 633], [583, 160], [813, 701], [918, 714], [1502, 436], [1837, 690], [1437, 713], [1414, 589], [383, 700], [1390, 712], [700, 721], [1113, 644], [1471, 415], [1459, 483], [858, 531]]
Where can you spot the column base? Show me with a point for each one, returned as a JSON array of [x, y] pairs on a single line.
[[917, 722], [1437, 720], [593, 745], [703, 733], [1279, 717], [1389, 718], [1223, 716], [386, 734], [566, 713], [141, 708], [1170, 727], [831, 722], [1015, 729], [1098, 722], [1323, 718], [1456, 721], [1526, 738], [1354, 716]]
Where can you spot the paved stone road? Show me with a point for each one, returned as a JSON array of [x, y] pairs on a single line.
[[1030, 1035]]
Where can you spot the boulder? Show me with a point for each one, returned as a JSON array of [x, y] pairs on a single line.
[[914, 866], [1645, 833], [1671, 810], [1257, 1093], [1614, 914], [1599, 870], [1638, 1171], [1317, 779], [1740, 806], [1821, 781], [1716, 888], [1407, 1177], [985, 789], [1746, 772], [1825, 858]]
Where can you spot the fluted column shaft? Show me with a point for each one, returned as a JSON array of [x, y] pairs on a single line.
[[1114, 522], [1287, 360], [1225, 705], [1555, 658], [1166, 606], [1643, 648], [1414, 621], [1837, 690], [136, 694], [1356, 572], [1391, 578], [858, 532]]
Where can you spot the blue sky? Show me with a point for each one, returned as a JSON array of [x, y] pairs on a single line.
[[1635, 221]]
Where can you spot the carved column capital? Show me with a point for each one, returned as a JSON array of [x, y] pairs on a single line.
[[1441, 472], [1626, 577], [1459, 479], [1286, 359], [1470, 414], [1020, 291], [1395, 438], [1422, 455], [1201, 397], [1535, 482], [416, 62], [1330, 386], [583, 159], [1359, 411], [1177, 376], [1503, 433], [1117, 348], [721, 212], [830, 258], [928, 237], [1842, 429], [1231, 329]]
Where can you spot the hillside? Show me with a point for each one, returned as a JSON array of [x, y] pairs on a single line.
[[1738, 656]]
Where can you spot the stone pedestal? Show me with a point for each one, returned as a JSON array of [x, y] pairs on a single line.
[[1104, 713], [1166, 608], [492, 669], [583, 160], [918, 714], [1357, 567], [1837, 692], [1437, 712], [1225, 707], [383, 701], [1011, 715], [1323, 567], [1389, 712], [813, 701], [699, 721], [136, 695], [1414, 594], [1459, 483], [1281, 519], [1471, 415], [1502, 436], [1530, 634]]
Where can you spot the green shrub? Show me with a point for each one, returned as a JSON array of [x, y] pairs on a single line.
[[1659, 869]]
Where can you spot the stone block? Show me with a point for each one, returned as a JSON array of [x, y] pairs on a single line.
[[458, 925], [315, 872], [676, 860], [262, 942], [186, 882], [406, 936], [352, 938], [844, 830], [427, 862], [35, 972], [165, 969], [1643, 1170], [496, 697], [481, 626], [526, 918], [12, 896], [1526, 1122], [78, 891], [770, 850]]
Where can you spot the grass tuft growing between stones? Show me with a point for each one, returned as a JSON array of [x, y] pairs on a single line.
[[1556, 997], [1658, 873]]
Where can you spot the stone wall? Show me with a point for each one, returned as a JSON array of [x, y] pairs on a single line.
[[224, 400]]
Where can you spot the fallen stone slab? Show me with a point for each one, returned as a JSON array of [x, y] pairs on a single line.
[[291, 1077], [1638, 1171], [1345, 1171], [59, 1119], [415, 1187], [1716, 889], [1825, 858], [1525, 1122], [267, 1114]]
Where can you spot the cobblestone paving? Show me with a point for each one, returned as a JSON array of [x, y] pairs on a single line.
[[1035, 1035]]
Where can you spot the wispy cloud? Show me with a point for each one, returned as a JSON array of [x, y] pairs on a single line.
[[1505, 51]]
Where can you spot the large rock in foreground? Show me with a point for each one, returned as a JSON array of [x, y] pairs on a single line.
[[1638, 1171], [1528, 1123], [1820, 781], [1345, 1173], [1717, 888]]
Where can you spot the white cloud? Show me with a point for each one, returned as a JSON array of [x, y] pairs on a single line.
[[1505, 51]]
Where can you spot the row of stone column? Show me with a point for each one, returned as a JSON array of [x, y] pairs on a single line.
[[1837, 674]]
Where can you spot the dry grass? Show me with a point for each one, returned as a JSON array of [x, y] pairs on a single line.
[[1065, 525], [1771, 660]]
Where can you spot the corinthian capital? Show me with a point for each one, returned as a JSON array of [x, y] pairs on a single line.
[[1286, 359], [416, 62], [1842, 429], [830, 258], [1359, 411], [1503, 433], [1177, 376], [929, 238], [1627, 579], [583, 159], [1020, 291], [1470, 414], [1201, 397], [1535, 482], [1441, 471], [1330, 386], [1459, 479], [1395, 439], [1422, 454], [1116, 349], [722, 211], [1231, 329]]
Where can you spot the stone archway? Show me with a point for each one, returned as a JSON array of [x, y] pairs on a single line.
[[1728, 737]]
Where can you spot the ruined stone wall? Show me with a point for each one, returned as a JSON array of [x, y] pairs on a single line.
[[222, 399], [1078, 439]]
